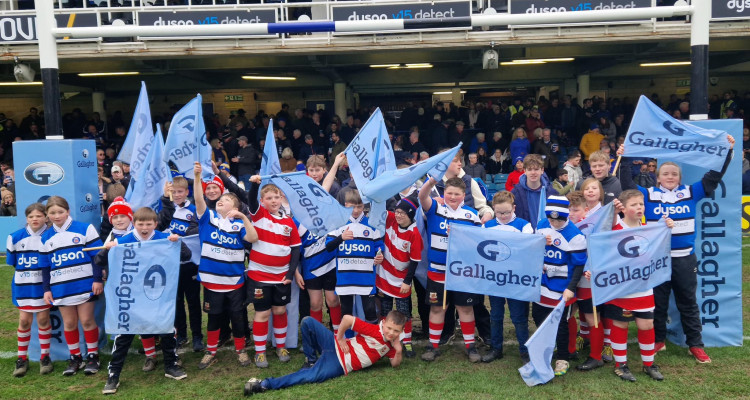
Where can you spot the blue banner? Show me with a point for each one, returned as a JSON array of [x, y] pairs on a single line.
[[292, 323], [186, 140], [141, 290], [147, 187], [138, 140], [370, 153], [718, 246], [541, 345], [193, 242], [312, 205], [629, 261], [390, 182], [494, 262], [599, 221], [542, 205], [269, 164], [58, 349], [654, 133]]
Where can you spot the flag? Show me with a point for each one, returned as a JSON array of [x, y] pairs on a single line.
[[541, 344], [269, 164], [422, 266], [292, 320], [146, 189], [141, 291], [186, 140], [370, 153], [654, 133], [628, 261], [312, 205], [390, 182], [138, 141], [494, 262], [377, 216], [542, 205], [193, 242], [600, 221]]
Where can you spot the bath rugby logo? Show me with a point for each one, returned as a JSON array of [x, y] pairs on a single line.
[[76, 240], [468, 215], [556, 242], [235, 227], [554, 214], [366, 233], [680, 195], [189, 217]]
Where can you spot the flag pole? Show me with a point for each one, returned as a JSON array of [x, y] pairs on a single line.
[[596, 320], [617, 164], [445, 298], [94, 248]]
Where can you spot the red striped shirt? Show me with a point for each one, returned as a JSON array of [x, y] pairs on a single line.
[[401, 247], [270, 255], [364, 349]]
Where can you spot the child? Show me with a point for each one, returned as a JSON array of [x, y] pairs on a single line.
[[317, 169], [178, 216], [222, 266], [561, 184], [577, 339], [577, 209], [23, 253], [145, 229], [600, 163], [403, 251], [573, 166], [564, 259], [505, 220], [334, 356], [515, 176], [273, 261], [684, 261], [76, 283], [528, 191], [438, 217]]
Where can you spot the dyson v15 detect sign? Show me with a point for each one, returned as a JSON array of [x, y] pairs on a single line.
[[555, 6], [405, 11]]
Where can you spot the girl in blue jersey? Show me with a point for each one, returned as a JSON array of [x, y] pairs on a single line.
[[671, 197], [22, 251], [72, 281]]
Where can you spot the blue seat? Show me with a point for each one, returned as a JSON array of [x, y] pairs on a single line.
[[482, 186]]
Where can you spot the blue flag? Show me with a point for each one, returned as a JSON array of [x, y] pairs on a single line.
[[422, 266], [146, 188], [138, 141], [630, 261], [186, 140], [370, 153], [193, 242], [654, 133], [390, 182], [269, 164], [541, 345], [542, 205], [141, 291], [494, 262], [599, 221], [312, 205]]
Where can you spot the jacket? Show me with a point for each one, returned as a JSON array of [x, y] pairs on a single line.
[[527, 200]]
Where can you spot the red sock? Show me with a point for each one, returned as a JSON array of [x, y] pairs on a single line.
[[239, 344], [23, 343], [467, 328], [212, 340], [607, 330], [584, 325], [619, 339], [335, 317], [646, 340], [435, 331], [407, 332], [72, 338], [279, 330], [149, 346], [92, 340], [260, 335], [45, 335], [596, 341], [317, 315], [572, 335]]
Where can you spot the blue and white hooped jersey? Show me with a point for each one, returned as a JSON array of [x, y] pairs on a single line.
[[316, 261], [681, 204], [184, 218], [70, 268], [23, 252], [568, 251], [355, 267], [438, 219], [222, 266], [515, 225]]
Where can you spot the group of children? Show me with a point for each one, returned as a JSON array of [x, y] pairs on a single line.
[[354, 261]]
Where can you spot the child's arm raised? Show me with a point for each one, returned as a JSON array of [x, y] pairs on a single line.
[[328, 181], [252, 195], [424, 194], [200, 202]]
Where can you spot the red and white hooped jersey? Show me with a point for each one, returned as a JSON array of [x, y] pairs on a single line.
[[270, 255], [402, 245]]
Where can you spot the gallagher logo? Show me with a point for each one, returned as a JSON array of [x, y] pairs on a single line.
[[85, 153], [154, 282], [493, 250], [44, 173], [632, 246]]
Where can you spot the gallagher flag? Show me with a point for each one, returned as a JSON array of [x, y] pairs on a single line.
[[540, 214], [138, 141], [312, 205], [541, 344], [147, 187], [653, 133], [186, 140], [141, 290], [269, 165], [390, 182], [494, 262], [599, 221], [631, 260]]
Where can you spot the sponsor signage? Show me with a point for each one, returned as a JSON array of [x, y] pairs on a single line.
[[237, 16], [730, 9], [407, 11], [22, 27], [556, 6]]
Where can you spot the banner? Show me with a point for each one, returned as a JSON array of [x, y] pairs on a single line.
[[541, 345], [555, 6], [21, 28], [494, 262], [540, 214], [193, 242], [138, 141], [186, 140], [141, 290], [312, 205], [391, 182], [211, 17], [147, 188], [629, 261], [718, 246], [654, 133], [292, 316], [599, 221], [723, 9], [269, 164], [420, 11]]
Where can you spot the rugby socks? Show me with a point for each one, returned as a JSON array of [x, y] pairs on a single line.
[[279, 330], [572, 335], [44, 337], [335, 317], [149, 346], [317, 315], [646, 340], [260, 335], [92, 340], [607, 329], [584, 325], [239, 344], [72, 338], [23, 343], [467, 328], [596, 341], [407, 332], [435, 331], [619, 338], [212, 341]]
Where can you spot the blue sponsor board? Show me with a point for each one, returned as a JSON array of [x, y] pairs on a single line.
[[213, 17], [559, 6], [406, 11]]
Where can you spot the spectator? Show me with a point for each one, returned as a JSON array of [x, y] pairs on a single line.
[[477, 142], [494, 164], [497, 142], [8, 204], [337, 145], [515, 176], [218, 155], [474, 169], [308, 149], [573, 166], [561, 184], [247, 161], [520, 146], [118, 176], [548, 148], [414, 146], [534, 122], [287, 160], [9, 179], [591, 141]]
